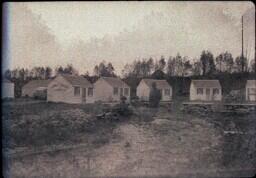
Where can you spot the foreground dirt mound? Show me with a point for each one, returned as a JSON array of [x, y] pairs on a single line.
[[155, 146], [71, 114], [143, 151], [47, 127], [161, 121]]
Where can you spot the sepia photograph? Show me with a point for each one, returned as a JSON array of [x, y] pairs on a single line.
[[128, 89]]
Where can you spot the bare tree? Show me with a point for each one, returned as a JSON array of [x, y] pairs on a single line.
[[197, 68], [241, 64], [171, 66], [224, 62], [207, 60]]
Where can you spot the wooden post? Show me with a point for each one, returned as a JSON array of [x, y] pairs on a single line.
[[242, 56]]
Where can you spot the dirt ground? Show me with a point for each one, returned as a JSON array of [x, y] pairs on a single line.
[[151, 143]]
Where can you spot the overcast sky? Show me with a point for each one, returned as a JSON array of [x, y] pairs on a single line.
[[85, 33]]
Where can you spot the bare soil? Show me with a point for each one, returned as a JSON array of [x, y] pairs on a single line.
[[150, 143]]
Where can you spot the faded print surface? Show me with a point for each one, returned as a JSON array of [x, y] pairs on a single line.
[[129, 89], [85, 33]]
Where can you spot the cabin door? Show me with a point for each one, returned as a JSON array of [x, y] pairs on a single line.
[[248, 94], [208, 94], [84, 94]]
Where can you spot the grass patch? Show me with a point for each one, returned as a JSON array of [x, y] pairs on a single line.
[[39, 124]]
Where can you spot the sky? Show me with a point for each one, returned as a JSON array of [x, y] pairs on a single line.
[[85, 33]]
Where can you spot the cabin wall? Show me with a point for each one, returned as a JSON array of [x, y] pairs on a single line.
[[192, 92], [250, 95], [128, 96], [166, 97], [143, 91], [59, 90], [104, 92], [28, 91], [203, 97], [7, 90], [90, 99]]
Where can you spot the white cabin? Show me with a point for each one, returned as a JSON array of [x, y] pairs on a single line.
[[7, 89], [70, 89], [29, 89], [250, 92], [110, 89], [145, 85], [205, 90]]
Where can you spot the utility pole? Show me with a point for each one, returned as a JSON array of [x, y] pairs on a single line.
[[242, 56], [254, 59]]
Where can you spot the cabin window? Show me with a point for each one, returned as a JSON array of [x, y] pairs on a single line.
[[167, 92], [76, 91], [126, 91], [90, 91], [121, 91], [115, 91], [200, 91], [216, 91]]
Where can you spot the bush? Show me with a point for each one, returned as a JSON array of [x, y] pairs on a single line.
[[154, 96], [123, 99], [40, 94], [135, 98], [48, 127], [135, 101], [234, 96]]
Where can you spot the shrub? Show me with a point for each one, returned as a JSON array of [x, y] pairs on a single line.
[[234, 96], [40, 94], [135, 101], [123, 99], [154, 96]]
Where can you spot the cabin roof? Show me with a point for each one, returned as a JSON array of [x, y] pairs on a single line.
[[251, 83], [76, 80], [37, 83], [206, 83], [115, 82], [159, 83]]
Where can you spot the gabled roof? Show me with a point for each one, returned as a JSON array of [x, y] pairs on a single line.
[[115, 82], [206, 83], [159, 83], [251, 83], [76, 80], [37, 83], [158, 74]]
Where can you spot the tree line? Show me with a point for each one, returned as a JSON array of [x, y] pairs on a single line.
[[180, 66]]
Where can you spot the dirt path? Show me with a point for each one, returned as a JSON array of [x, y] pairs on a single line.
[[143, 152]]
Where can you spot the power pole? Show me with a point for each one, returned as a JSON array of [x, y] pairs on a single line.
[[254, 59], [242, 56]]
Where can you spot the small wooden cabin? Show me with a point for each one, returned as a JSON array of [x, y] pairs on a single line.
[[145, 85], [7, 89], [250, 93], [68, 88], [205, 90], [110, 89], [29, 89]]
